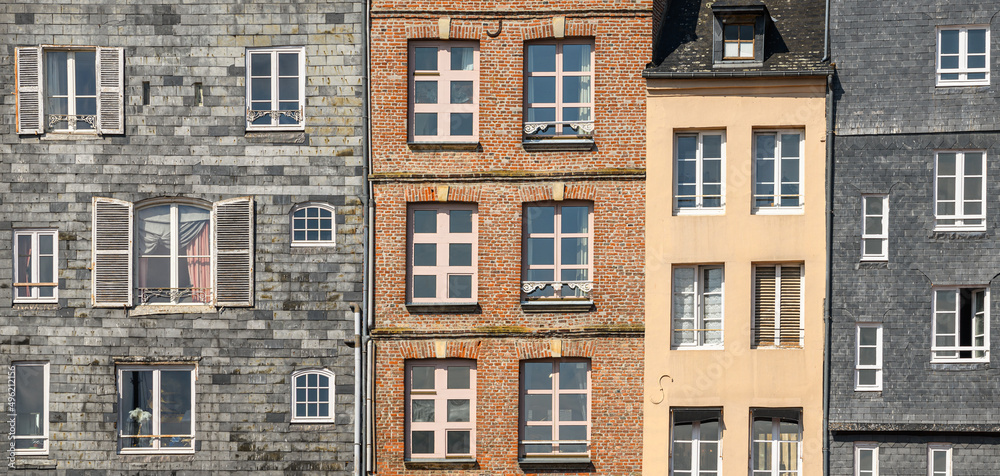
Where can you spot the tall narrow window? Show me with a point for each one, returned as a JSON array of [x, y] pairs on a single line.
[[865, 459], [961, 324], [71, 89], [777, 306], [960, 188], [276, 82], [559, 89], [775, 448], [175, 254], [698, 172], [875, 228], [312, 396], [778, 169], [868, 368], [697, 306], [36, 261], [557, 257], [963, 56], [31, 408], [440, 409], [443, 253], [156, 409], [444, 91], [555, 408], [939, 460], [695, 442]]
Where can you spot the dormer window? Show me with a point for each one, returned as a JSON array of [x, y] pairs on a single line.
[[739, 34], [738, 42]]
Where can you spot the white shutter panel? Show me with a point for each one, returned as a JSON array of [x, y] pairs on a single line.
[[112, 243], [790, 306], [764, 306], [233, 223], [29, 90], [110, 94]]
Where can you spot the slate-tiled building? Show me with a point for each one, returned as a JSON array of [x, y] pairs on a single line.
[[508, 166], [180, 235], [913, 378]]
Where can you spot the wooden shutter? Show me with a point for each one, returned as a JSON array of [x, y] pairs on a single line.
[[28, 69], [764, 305], [790, 321], [233, 223], [112, 252], [110, 98]]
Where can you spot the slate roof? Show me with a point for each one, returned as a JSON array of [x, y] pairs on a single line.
[[793, 39]]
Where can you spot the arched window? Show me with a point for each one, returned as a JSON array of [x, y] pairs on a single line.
[[313, 224], [312, 396], [174, 250]]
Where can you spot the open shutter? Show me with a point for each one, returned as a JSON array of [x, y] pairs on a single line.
[[29, 90], [233, 222], [112, 242], [763, 306], [791, 307], [110, 98]]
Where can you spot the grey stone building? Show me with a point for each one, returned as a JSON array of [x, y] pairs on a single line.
[[182, 226], [914, 378]]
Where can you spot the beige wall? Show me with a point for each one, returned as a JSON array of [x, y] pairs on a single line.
[[737, 378]]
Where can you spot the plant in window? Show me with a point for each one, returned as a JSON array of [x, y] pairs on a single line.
[[157, 409]]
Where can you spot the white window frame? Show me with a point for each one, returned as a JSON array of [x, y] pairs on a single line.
[[700, 330], [330, 400], [696, 445], [877, 366], [44, 450], [958, 349], [936, 447], [155, 414], [440, 395], [252, 114], [963, 70], [775, 443], [777, 343], [858, 449], [699, 208], [71, 96], [867, 235], [33, 262], [175, 290], [960, 216], [306, 221], [443, 76], [775, 207], [442, 238]]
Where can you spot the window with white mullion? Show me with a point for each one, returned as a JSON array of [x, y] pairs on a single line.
[[156, 405], [960, 188], [939, 460], [174, 251], [275, 88], [441, 408], [865, 459], [71, 89], [560, 78], [775, 448], [868, 363], [443, 253], [698, 172], [963, 55], [778, 170], [555, 418], [961, 325], [35, 266], [30, 406], [875, 228], [695, 442], [558, 242], [444, 91], [697, 306]]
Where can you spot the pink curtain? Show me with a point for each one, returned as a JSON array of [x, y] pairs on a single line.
[[199, 264]]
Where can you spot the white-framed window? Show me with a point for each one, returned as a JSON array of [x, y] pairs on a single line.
[[313, 396], [36, 265], [443, 253], [960, 190], [557, 261], [555, 408], [875, 227], [868, 362], [314, 224], [776, 442], [444, 91], [963, 55], [69, 89], [696, 442], [939, 459], [31, 408], [865, 459], [778, 171], [961, 324], [276, 83], [559, 88], [777, 311], [699, 172], [175, 254], [440, 409], [156, 409], [698, 306]]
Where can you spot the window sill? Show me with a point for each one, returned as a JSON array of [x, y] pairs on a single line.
[[441, 464], [959, 234], [778, 211], [66, 135], [959, 366], [557, 305], [442, 307], [555, 144], [35, 306], [473, 146], [34, 462], [697, 347], [315, 244], [698, 211], [154, 309], [578, 463], [158, 456], [276, 136], [739, 63], [867, 390], [318, 423], [962, 84]]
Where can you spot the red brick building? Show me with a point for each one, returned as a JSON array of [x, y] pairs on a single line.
[[509, 185]]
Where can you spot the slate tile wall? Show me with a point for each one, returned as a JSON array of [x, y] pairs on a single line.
[[907, 455]]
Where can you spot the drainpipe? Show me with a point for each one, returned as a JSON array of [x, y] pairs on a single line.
[[363, 318], [828, 305], [357, 384], [826, 33]]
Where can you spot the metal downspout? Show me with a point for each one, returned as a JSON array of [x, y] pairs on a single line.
[[362, 462], [828, 305]]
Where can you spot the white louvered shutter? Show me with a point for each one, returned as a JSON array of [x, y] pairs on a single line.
[[233, 251], [764, 306], [112, 243], [29, 90], [110, 94], [790, 321]]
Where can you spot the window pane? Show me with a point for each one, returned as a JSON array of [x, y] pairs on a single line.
[[422, 378], [459, 442], [458, 410], [86, 74], [421, 442], [687, 147], [137, 403], [710, 430], [572, 375], [425, 221], [541, 58], [573, 407], [572, 433], [949, 41], [538, 407], [873, 247], [461, 221], [541, 219], [459, 376], [175, 405], [425, 124], [574, 251], [946, 164], [460, 254], [260, 64], [56, 73], [425, 59], [288, 90], [425, 286], [461, 124], [790, 145], [940, 460], [542, 114], [422, 411], [288, 64], [867, 356], [462, 58], [260, 90], [542, 89], [731, 50], [867, 377], [576, 89], [541, 251], [712, 146], [424, 254], [30, 399], [538, 433], [460, 286], [976, 62], [425, 92], [45, 244], [746, 50], [873, 206], [575, 219], [576, 57], [538, 376], [868, 335], [709, 457], [461, 92]]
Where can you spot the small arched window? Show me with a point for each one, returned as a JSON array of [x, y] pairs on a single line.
[[313, 224], [312, 396]]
